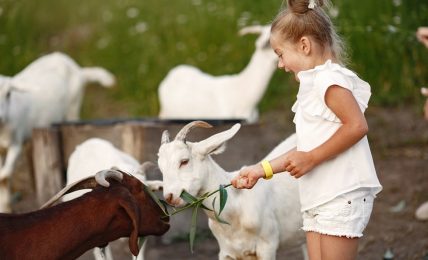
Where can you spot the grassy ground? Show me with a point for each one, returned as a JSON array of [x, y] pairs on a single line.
[[140, 41]]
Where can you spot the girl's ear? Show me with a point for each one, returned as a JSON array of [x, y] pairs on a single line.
[[305, 45]]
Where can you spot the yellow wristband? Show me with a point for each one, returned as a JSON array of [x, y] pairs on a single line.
[[268, 170]]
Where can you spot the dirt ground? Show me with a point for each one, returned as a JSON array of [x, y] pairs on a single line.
[[399, 143]]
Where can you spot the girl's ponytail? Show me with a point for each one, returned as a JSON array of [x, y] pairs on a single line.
[[304, 6]]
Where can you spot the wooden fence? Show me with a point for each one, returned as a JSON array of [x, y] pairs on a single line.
[[139, 138]]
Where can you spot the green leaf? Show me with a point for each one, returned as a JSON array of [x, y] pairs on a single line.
[[165, 204], [204, 207], [156, 199], [187, 197], [193, 225], [203, 197], [223, 198], [217, 217]]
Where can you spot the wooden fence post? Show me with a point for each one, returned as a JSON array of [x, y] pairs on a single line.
[[48, 176], [133, 139]]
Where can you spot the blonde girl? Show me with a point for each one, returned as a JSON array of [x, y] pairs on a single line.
[[332, 160]]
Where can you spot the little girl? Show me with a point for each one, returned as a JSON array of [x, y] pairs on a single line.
[[332, 160]]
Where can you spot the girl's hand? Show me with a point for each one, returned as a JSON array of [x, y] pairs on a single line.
[[299, 163], [248, 177]]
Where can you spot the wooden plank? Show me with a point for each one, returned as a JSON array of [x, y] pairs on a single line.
[[47, 163], [73, 135], [133, 140]]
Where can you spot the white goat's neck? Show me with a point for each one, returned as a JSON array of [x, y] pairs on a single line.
[[257, 73], [216, 176]]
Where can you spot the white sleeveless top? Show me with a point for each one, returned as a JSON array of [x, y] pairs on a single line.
[[316, 123]]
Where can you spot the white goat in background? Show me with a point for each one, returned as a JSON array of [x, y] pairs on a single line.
[[49, 90], [94, 155], [261, 219], [188, 93]]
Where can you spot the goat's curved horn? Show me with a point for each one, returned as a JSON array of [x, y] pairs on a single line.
[[181, 136], [87, 183], [165, 137], [101, 176]]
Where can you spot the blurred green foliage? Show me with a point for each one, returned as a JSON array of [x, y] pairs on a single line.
[[141, 40]]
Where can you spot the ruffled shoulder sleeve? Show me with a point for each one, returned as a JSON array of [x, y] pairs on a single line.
[[327, 78], [311, 96]]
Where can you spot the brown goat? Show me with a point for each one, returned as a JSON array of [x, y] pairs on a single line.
[[69, 229]]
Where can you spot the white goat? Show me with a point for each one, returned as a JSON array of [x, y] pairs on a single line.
[[261, 219], [188, 93], [47, 91], [94, 155]]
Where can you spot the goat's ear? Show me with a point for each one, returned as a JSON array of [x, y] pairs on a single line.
[[262, 41], [216, 143], [131, 208], [253, 29], [165, 137]]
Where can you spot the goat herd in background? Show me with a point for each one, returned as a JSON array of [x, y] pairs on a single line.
[[50, 90]]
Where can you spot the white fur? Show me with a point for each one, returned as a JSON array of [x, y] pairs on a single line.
[[261, 219], [49, 90], [188, 93], [94, 155], [422, 211]]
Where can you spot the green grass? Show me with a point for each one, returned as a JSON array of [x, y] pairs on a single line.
[[141, 40]]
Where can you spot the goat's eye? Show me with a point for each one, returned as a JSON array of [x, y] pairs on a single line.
[[184, 162]]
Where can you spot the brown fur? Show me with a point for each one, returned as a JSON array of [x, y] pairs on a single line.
[[67, 230]]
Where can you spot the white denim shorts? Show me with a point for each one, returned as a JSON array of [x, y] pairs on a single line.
[[346, 215]]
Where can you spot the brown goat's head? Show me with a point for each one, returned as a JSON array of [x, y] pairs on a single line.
[[152, 220], [145, 214]]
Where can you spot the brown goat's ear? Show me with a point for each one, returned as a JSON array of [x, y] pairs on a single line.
[[133, 212]]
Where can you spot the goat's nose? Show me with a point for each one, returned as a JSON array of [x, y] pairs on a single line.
[[168, 198]]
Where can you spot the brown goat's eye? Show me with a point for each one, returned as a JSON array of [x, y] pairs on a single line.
[[184, 162]]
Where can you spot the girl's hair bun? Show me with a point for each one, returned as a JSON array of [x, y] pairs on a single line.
[[302, 6]]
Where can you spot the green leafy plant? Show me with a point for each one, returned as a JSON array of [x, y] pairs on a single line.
[[195, 203]]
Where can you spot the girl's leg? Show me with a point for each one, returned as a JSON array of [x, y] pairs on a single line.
[[313, 243], [338, 248]]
